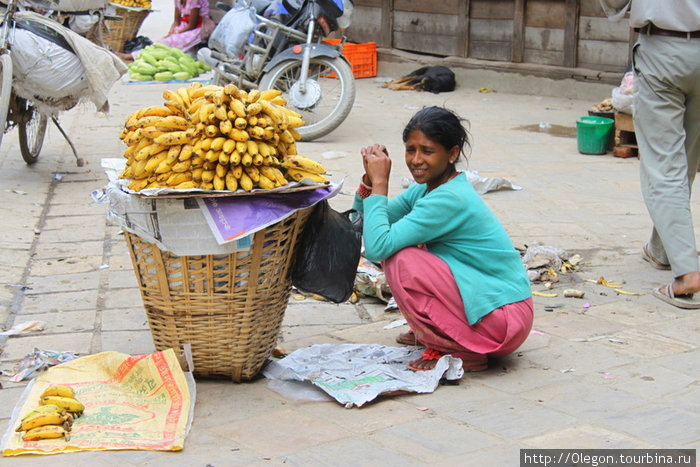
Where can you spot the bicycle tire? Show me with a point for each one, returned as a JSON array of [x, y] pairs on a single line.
[[337, 86], [31, 133], [5, 90]]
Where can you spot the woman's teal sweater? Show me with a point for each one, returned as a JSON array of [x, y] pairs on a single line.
[[456, 225]]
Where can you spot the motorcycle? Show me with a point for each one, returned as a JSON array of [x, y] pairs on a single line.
[[285, 50]]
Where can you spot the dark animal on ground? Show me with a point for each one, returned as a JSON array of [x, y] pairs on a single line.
[[433, 79]]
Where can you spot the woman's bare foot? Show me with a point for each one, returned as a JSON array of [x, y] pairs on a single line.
[[422, 364]]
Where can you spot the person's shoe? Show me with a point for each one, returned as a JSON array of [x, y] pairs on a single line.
[[646, 256]]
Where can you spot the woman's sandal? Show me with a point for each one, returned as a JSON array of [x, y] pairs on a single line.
[[477, 364], [407, 338], [685, 301]]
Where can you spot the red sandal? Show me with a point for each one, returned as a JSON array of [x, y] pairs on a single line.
[[476, 363]]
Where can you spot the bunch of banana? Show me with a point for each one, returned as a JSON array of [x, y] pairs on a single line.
[[211, 137], [298, 168], [135, 3], [54, 416]]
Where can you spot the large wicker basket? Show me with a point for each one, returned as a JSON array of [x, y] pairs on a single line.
[[117, 32], [229, 307]]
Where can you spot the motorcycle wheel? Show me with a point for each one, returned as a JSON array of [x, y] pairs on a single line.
[[5, 90], [31, 129], [333, 96]]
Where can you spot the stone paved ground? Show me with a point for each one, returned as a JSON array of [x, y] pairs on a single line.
[[605, 371]]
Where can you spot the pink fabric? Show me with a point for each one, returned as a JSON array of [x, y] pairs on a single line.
[[189, 39], [427, 295]]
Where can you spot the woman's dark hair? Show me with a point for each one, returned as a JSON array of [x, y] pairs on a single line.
[[440, 125]]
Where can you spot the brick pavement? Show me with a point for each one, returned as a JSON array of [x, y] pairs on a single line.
[[605, 371]]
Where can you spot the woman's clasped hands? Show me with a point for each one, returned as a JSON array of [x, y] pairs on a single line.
[[377, 165]]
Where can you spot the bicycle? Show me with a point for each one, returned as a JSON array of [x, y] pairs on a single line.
[[18, 111]]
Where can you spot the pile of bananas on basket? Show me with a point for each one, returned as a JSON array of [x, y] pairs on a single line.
[[216, 138], [54, 416], [145, 4]]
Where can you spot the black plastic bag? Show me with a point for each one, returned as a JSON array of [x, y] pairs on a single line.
[[329, 252]]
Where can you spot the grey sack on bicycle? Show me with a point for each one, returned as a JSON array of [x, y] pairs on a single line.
[[105, 69]]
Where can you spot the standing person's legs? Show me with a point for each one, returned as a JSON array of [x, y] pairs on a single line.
[[664, 68]]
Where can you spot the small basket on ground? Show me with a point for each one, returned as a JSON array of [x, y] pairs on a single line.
[[117, 32], [228, 307]]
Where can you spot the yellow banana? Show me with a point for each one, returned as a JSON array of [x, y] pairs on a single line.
[[246, 160], [265, 183], [219, 183], [239, 135], [252, 172], [47, 418], [224, 158], [173, 96], [208, 176], [256, 132], [218, 143], [184, 96], [172, 122], [234, 158], [258, 159], [146, 121], [150, 150], [245, 182], [176, 108], [254, 95], [236, 171], [68, 403], [270, 94], [182, 166], [251, 147], [286, 137], [201, 91], [173, 137], [177, 178], [279, 100], [229, 146], [42, 409], [46, 432], [299, 175], [221, 170], [240, 123], [238, 108], [274, 174], [184, 185], [186, 152], [231, 182], [154, 161], [153, 110], [220, 112], [303, 163], [212, 131], [295, 122], [225, 126], [231, 90], [253, 109]]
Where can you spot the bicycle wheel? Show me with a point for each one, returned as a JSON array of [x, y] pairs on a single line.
[[329, 96], [5, 90], [32, 129]]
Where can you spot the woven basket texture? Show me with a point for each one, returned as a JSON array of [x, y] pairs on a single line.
[[228, 307], [117, 32]]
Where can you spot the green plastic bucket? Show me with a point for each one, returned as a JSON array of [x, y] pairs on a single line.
[[593, 134]]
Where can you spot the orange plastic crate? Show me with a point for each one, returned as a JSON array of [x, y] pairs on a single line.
[[362, 58]]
